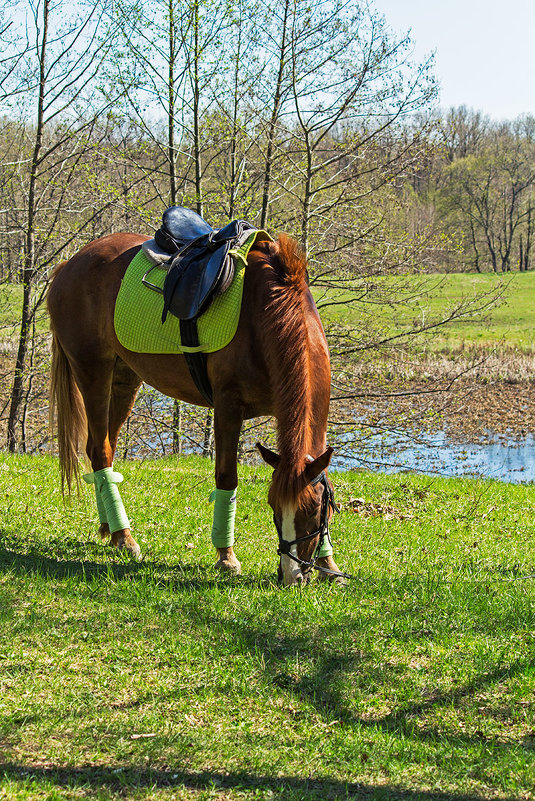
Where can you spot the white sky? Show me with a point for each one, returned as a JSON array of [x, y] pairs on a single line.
[[484, 50]]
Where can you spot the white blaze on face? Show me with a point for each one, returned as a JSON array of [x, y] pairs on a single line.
[[291, 571]]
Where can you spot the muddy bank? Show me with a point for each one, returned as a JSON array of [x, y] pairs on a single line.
[[468, 410], [471, 393]]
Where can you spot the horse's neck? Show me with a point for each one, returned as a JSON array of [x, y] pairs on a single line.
[[297, 360]]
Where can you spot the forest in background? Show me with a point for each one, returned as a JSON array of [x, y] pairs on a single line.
[[309, 118]]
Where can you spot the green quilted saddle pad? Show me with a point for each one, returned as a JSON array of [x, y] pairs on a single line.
[[138, 309]]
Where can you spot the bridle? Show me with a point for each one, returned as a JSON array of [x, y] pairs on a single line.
[[327, 503]]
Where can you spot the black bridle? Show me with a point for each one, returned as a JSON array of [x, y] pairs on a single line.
[[327, 503]]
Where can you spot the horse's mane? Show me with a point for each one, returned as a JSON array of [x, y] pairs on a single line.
[[286, 345]]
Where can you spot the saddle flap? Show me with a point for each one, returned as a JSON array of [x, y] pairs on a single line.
[[195, 278]]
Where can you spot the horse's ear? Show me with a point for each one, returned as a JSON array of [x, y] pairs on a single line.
[[268, 456], [313, 469]]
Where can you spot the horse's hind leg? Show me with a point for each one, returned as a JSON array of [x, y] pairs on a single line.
[[124, 388], [109, 389]]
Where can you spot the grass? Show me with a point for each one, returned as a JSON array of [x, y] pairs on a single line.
[[510, 323], [165, 680]]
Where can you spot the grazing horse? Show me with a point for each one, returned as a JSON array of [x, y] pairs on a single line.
[[276, 364]]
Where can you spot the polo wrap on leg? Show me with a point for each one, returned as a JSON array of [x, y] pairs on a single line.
[[326, 548], [109, 504], [223, 520]]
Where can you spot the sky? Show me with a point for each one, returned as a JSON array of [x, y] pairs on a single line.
[[484, 50]]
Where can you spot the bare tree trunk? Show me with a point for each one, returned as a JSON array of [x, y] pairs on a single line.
[[28, 273], [196, 112], [529, 237], [17, 389], [307, 199], [173, 188], [207, 446], [234, 136], [177, 427], [172, 153], [268, 165]]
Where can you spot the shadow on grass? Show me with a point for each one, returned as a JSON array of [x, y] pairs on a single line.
[[323, 687], [118, 567], [285, 788]]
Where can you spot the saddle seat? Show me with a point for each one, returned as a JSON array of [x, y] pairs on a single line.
[[200, 268], [180, 226]]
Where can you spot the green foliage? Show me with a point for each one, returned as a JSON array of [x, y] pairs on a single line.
[[162, 679], [486, 191]]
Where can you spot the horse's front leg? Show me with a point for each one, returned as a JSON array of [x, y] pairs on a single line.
[[227, 427]]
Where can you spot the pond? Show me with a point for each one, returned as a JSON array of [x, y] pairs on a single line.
[[503, 458]]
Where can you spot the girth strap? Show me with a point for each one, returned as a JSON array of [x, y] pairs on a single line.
[[196, 361]]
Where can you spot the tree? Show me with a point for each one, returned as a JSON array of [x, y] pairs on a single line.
[[490, 195], [57, 76]]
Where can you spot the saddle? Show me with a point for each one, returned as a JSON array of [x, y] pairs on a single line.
[[199, 270], [200, 267]]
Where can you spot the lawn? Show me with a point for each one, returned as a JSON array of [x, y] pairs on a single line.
[[164, 680], [395, 303]]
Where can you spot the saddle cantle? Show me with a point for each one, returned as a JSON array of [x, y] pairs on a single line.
[[179, 226], [200, 268]]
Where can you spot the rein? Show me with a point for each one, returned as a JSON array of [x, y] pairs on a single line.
[[327, 502]]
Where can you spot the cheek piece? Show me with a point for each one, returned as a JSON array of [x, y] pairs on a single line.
[[109, 504], [324, 547]]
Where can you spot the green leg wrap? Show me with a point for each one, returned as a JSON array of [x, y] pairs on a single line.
[[102, 516], [109, 504], [224, 514], [326, 549]]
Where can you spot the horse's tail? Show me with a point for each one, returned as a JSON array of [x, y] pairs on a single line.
[[71, 419]]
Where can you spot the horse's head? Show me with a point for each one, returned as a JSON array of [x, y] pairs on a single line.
[[301, 516]]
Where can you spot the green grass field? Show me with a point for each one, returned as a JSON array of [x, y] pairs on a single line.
[[164, 680], [509, 323]]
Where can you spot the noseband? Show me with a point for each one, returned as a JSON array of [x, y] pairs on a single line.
[[327, 502]]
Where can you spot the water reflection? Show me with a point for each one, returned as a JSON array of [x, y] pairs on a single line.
[[509, 460]]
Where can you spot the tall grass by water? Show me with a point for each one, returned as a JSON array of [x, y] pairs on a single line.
[[165, 680]]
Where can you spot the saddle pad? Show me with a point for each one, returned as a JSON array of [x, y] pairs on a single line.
[[138, 309]]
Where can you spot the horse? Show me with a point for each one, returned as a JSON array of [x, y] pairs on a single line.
[[277, 364]]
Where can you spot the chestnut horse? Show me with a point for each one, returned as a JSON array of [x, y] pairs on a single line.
[[276, 364]]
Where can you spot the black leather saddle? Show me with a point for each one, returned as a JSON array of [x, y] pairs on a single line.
[[201, 268], [180, 226]]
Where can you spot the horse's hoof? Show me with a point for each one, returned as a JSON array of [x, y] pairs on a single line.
[[124, 541], [230, 566], [298, 580], [134, 550]]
